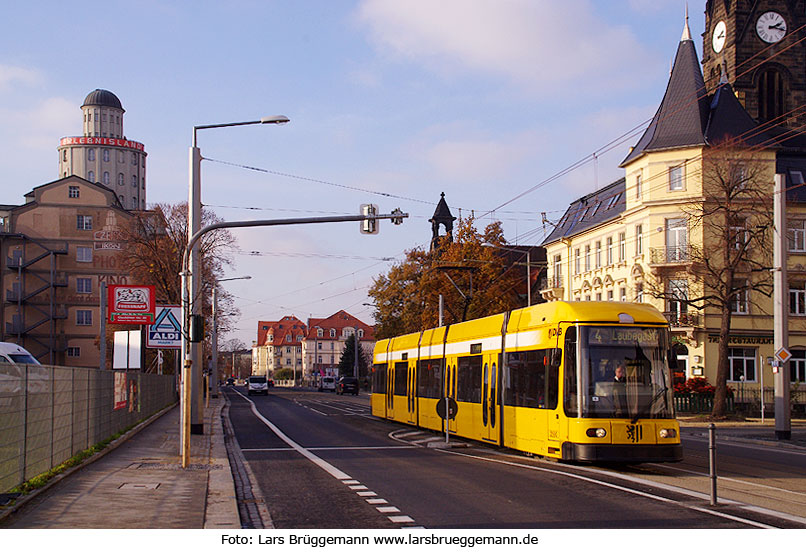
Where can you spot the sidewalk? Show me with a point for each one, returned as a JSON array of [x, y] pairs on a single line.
[[140, 483], [749, 431]]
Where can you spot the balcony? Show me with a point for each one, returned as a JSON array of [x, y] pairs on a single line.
[[681, 254], [552, 289], [683, 319]]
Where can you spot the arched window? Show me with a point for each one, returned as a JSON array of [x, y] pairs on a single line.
[[106, 178], [106, 155], [91, 176], [91, 154], [121, 179], [772, 91]]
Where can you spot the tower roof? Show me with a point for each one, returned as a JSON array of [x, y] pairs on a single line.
[[682, 116], [102, 97], [442, 213]]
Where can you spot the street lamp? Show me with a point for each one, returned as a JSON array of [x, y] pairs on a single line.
[[214, 335], [192, 409]]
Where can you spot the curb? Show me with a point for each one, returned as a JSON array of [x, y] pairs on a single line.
[[23, 500], [221, 503], [750, 440]]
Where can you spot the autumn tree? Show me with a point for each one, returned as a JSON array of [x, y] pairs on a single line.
[[726, 271], [153, 256], [473, 273]]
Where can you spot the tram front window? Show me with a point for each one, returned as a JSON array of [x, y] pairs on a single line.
[[624, 372]]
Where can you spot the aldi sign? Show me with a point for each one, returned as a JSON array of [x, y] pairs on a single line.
[[166, 331], [130, 304]]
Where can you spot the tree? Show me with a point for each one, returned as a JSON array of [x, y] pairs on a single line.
[[347, 360], [474, 279], [730, 266], [155, 243]]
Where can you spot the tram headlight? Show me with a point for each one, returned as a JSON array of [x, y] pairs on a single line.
[[667, 433], [596, 432]]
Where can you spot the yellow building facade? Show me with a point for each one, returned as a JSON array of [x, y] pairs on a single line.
[[645, 238]]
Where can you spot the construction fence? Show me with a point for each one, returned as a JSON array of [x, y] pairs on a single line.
[[48, 414]]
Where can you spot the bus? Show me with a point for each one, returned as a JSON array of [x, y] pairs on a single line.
[[584, 381]]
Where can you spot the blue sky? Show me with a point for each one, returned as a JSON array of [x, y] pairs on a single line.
[[481, 99]]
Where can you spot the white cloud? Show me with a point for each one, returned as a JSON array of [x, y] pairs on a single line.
[[533, 42], [10, 75]]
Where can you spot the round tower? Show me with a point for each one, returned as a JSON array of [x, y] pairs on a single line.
[[103, 154]]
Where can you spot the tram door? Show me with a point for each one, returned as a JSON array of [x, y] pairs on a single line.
[[490, 414], [398, 391], [450, 383], [411, 393]]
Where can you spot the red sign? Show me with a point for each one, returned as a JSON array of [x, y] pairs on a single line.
[[130, 304], [102, 141]]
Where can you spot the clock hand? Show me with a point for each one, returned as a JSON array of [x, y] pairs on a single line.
[[721, 35], [776, 26]]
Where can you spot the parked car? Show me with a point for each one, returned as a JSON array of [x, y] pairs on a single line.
[[328, 383], [230, 381], [257, 385], [347, 384]]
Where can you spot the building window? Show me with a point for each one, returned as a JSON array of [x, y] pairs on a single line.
[[797, 299], [64, 155], [587, 258], [676, 178], [83, 317], [73, 352], [83, 222], [134, 158], [677, 303], [83, 254], [623, 294], [73, 191], [739, 302], [106, 155], [797, 366], [106, 178], [739, 233], [84, 285], [91, 154], [91, 176], [320, 333], [609, 251], [622, 246], [639, 240], [639, 186], [558, 270], [639, 292], [772, 92], [598, 256], [134, 181], [796, 235], [332, 332], [609, 294], [120, 156], [742, 365], [360, 333], [121, 179], [576, 262]]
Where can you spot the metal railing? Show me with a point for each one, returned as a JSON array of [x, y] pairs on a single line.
[[670, 255], [682, 319], [50, 413]]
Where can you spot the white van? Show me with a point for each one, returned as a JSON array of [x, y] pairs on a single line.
[[12, 358], [12, 353], [328, 383]]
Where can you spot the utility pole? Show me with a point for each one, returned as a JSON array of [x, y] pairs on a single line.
[[783, 429]]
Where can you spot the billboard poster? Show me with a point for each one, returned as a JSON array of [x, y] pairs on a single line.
[[130, 304], [121, 399]]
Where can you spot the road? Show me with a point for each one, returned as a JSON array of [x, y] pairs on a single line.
[[322, 461]]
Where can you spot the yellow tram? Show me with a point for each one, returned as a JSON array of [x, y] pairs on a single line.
[[577, 381]]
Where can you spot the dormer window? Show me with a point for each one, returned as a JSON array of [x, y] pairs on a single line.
[[332, 332], [320, 332], [360, 333]]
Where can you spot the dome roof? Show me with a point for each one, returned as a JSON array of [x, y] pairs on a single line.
[[101, 97]]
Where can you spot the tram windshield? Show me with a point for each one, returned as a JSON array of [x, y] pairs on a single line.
[[623, 372]]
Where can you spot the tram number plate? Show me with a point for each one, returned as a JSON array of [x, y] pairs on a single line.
[[453, 408]]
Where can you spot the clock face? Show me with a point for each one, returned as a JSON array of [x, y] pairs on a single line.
[[771, 27], [719, 36]]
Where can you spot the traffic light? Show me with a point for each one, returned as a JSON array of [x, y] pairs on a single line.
[[369, 226]]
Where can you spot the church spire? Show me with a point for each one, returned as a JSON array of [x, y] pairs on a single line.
[[686, 30]]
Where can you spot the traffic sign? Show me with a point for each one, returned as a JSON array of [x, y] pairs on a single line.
[[453, 408], [166, 331], [130, 304], [783, 354]]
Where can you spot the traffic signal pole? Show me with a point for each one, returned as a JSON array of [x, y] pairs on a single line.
[[783, 425]]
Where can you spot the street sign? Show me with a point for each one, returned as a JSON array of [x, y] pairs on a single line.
[[166, 331], [453, 408], [783, 354], [130, 304]]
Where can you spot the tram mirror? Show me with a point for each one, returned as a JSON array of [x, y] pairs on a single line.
[[674, 364]]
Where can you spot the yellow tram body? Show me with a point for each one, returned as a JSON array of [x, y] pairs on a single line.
[[540, 380]]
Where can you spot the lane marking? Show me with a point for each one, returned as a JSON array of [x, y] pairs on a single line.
[[388, 509], [321, 463], [401, 519]]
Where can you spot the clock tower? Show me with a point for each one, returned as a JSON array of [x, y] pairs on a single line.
[[754, 43]]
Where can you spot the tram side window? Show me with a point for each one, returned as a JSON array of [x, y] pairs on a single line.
[[401, 378], [379, 379], [570, 372], [429, 376], [468, 387], [527, 379]]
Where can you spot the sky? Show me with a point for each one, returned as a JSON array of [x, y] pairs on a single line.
[[390, 102]]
